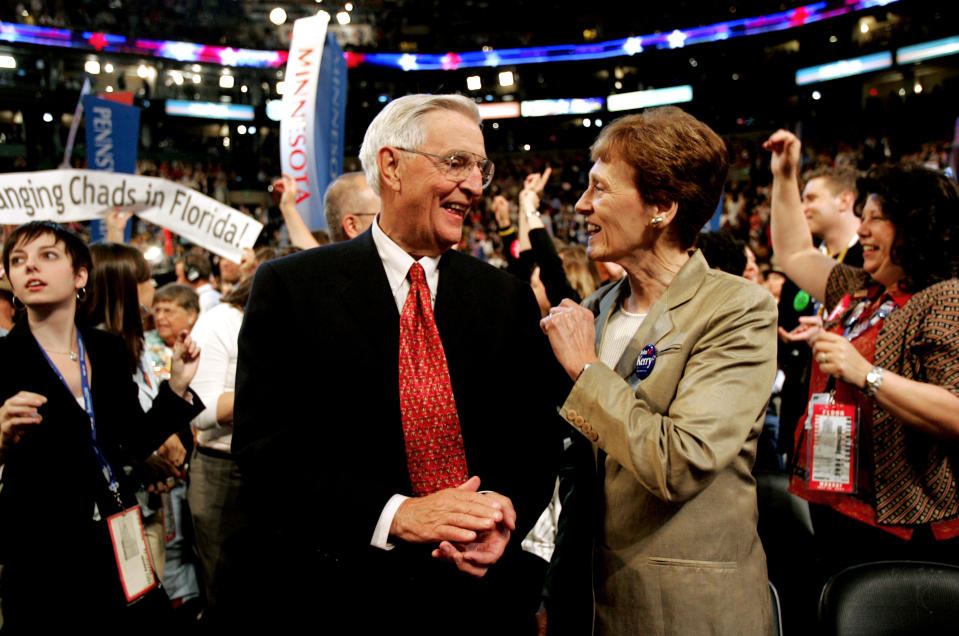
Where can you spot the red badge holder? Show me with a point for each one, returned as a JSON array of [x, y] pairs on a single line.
[[832, 448]]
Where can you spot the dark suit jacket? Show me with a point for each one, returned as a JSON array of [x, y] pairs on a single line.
[[56, 557], [317, 419]]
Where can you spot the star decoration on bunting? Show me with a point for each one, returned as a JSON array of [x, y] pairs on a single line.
[[676, 39]]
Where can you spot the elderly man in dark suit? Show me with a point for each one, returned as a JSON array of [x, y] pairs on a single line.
[[396, 472]]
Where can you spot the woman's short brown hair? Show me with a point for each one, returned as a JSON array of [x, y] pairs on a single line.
[[674, 157]]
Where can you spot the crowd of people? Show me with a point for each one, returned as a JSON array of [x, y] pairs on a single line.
[[159, 438]]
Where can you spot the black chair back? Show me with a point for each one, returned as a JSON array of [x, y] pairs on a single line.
[[891, 597]]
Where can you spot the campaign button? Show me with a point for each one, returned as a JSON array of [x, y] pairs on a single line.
[[645, 362]]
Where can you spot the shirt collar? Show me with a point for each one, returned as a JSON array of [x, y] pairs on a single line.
[[397, 263]]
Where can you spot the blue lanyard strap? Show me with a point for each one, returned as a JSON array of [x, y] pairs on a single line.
[[105, 467], [854, 329]]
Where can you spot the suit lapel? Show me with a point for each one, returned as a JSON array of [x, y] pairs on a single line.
[[366, 294], [656, 325], [659, 322], [607, 304], [455, 310]]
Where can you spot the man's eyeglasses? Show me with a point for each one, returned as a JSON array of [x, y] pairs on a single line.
[[459, 165]]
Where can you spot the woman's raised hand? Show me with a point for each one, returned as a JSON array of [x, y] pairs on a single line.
[[784, 146]]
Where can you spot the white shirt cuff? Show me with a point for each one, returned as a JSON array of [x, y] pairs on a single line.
[[381, 533]]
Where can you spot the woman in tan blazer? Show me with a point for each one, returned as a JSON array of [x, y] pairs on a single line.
[[672, 366]]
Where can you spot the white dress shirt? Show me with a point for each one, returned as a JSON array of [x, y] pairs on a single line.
[[396, 264]]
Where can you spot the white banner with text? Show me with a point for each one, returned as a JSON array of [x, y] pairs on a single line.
[[64, 196]]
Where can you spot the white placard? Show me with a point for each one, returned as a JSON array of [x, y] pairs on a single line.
[[81, 195]]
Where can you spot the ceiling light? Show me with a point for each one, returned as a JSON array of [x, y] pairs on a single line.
[[92, 67], [473, 83], [278, 16], [108, 68], [343, 17], [506, 78], [227, 81]]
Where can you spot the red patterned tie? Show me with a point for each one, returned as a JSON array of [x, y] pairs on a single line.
[[431, 427]]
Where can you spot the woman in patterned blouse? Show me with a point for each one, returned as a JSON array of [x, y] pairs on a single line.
[[890, 347]]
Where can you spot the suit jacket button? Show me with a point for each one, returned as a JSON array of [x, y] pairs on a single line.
[[579, 421], [593, 436], [571, 414]]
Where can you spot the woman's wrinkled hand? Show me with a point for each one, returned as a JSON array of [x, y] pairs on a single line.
[[572, 335]]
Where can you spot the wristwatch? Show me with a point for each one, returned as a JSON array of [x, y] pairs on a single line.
[[873, 381]]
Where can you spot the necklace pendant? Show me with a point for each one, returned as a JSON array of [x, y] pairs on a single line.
[[74, 356]]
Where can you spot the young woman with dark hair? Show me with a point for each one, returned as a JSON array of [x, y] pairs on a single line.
[[70, 421]]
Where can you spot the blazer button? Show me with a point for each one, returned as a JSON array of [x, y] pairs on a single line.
[[593, 436], [579, 421], [571, 414]]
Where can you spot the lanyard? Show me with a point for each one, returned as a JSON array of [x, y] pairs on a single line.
[[853, 329], [88, 407]]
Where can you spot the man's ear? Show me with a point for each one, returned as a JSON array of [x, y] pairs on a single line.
[[388, 161], [847, 201], [349, 226]]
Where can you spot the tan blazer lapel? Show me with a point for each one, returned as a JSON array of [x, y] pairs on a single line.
[[607, 304], [659, 323]]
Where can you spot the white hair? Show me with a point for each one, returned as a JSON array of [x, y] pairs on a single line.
[[399, 124]]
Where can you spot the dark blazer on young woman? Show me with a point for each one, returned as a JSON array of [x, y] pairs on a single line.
[[59, 565]]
